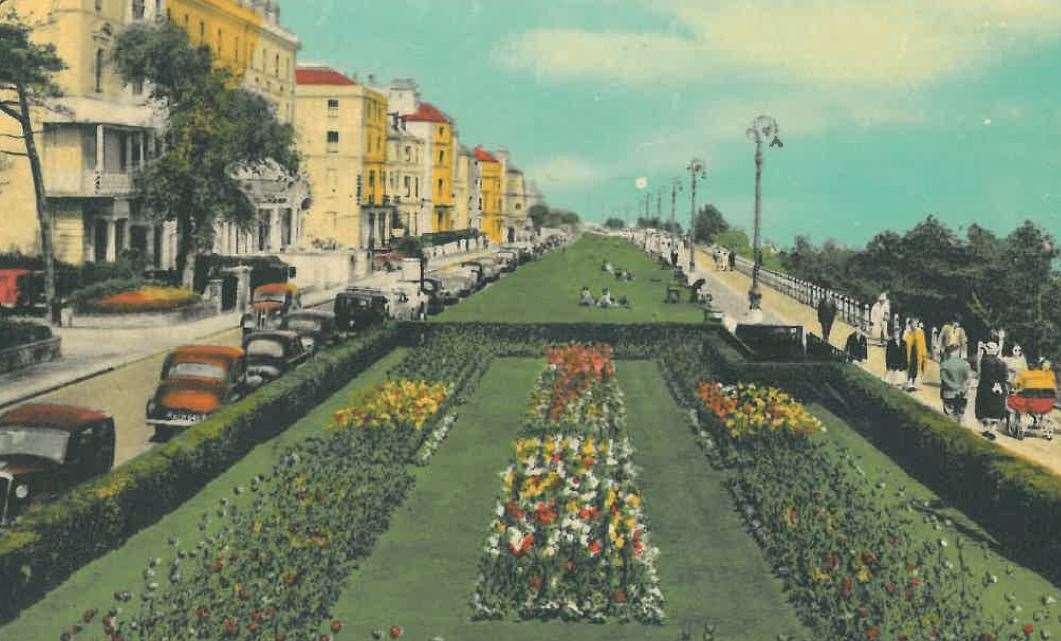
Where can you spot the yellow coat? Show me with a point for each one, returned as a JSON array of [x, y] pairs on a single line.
[[915, 343]]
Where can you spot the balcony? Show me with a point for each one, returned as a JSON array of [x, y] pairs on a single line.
[[89, 184]]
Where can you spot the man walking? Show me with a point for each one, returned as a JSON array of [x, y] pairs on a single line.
[[954, 377], [826, 315]]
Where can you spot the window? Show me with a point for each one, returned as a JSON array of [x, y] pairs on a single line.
[[408, 153], [99, 6], [408, 186], [372, 180], [441, 156], [333, 107], [219, 43], [440, 184], [202, 32], [138, 9], [99, 71], [418, 186], [333, 142], [276, 66]]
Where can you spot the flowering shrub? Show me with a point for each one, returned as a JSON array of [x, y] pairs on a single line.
[[748, 411], [569, 537], [149, 298], [392, 404]]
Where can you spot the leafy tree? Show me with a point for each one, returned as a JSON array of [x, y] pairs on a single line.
[[709, 223], [537, 214], [26, 81], [543, 216], [213, 128], [615, 223]]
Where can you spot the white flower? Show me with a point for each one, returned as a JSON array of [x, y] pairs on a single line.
[[500, 509]]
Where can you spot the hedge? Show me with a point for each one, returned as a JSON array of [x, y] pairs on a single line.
[[51, 541], [15, 333], [1019, 502]]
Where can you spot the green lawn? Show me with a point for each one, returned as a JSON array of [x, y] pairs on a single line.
[[547, 291], [94, 584], [422, 572], [933, 520]]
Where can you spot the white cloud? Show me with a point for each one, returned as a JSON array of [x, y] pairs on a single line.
[[845, 42], [565, 171]]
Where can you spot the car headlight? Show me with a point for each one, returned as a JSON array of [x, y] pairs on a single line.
[[22, 491]]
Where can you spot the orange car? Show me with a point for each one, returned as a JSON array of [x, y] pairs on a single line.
[[196, 380], [268, 305]]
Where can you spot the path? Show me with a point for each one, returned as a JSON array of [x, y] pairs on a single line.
[[730, 289]]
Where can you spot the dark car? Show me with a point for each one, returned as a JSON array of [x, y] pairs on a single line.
[[270, 355], [356, 308], [48, 448], [196, 380], [263, 269], [437, 296], [315, 327], [269, 304]]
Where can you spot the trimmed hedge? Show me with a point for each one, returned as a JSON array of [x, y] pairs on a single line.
[[51, 541], [1019, 502], [15, 333]]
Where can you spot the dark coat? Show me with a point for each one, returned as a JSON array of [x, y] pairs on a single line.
[[895, 355], [989, 402], [856, 347], [826, 311]]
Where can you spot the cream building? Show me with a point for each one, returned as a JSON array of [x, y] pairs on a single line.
[[406, 180], [462, 187], [343, 137], [92, 150]]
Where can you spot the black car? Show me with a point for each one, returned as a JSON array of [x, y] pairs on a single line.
[[356, 308], [315, 327], [272, 354], [48, 448]]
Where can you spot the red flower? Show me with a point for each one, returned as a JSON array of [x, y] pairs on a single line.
[[619, 596], [869, 558], [1028, 629], [230, 627], [524, 545], [544, 514], [846, 586], [872, 633], [889, 587], [337, 626], [915, 582], [396, 632], [594, 547], [202, 612], [513, 509]]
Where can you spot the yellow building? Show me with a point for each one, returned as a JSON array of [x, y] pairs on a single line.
[[342, 136], [488, 174], [435, 126], [91, 153]]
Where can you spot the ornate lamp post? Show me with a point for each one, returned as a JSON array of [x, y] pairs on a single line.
[[696, 174], [764, 128]]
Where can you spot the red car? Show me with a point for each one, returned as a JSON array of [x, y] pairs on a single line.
[[196, 380]]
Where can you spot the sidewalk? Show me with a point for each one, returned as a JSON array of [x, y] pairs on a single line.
[[730, 290], [90, 352]]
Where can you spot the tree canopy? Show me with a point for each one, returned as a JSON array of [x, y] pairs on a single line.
[[709, 223], [544, 216], [615, 223]]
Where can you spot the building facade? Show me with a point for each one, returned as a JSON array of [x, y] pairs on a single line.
[[93, 149], [462, 189], [377, 212], [514, 215], [406, 179], [488, 177]]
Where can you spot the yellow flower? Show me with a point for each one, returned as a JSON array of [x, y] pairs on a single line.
[[633, 500]]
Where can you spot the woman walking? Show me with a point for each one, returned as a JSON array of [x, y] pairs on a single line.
[[916, 353], [991, 390], [895, 358]]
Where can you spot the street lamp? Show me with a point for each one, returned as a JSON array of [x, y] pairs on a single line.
[[764, 128], [696, 174]]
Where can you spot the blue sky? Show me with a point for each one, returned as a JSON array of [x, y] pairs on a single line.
[[889, 109]]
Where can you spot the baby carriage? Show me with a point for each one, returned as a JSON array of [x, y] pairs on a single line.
[[1030, 405]]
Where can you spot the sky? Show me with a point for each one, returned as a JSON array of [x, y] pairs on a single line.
[[889, 110]]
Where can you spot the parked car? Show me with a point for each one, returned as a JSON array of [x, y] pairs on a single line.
[[22, 289], [455, 285], [263, 269], [46, 449], [196, 380], [272, 354], [475, 271], [359, 307], [509, 260], [491, 268], [408, 301], [437, 295], [315, 327], [269, 304]]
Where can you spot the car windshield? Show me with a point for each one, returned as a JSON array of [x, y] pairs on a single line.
[[304, 324], [34, 441], [202, 370], [265, 347], [262, 297]]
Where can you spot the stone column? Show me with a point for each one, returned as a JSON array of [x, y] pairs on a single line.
[[274, 230], [213, 291], [112, 250], [243, 286], [100, 163]]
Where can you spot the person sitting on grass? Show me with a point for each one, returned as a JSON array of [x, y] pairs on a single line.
[[605, 299], [607, 267], [585, 298], [624, 302]]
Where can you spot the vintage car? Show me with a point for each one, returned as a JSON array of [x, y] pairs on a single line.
[[272, 354], [509, 260], [48, 448], [408, 301], [454, 285], [491, 268], [358, 307], [196, 380], [474, 271], [315, 327], [269, 304]]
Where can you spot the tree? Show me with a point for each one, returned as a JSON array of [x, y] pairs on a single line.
[[213, 128], [543, 216], [26, 72], [615, 223], [709, 223]]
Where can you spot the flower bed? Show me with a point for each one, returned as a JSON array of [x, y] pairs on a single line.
[[853, 568], [569, 539], [271, 564], [149, 298]]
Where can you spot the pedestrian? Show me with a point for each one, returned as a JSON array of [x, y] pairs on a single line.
[[1015, 362], [991, 390], [916, 354], [878, 318], [732, 259], [857, 347], [934, 346], [954, 378], [895, 358], [826, 315], [605, 299], [961, 338], [674, 254]]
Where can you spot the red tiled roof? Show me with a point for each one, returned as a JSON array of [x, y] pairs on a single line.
[[483, 155], [321, 76], [427, 113]]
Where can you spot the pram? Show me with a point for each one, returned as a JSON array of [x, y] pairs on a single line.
[[1029, 413]]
